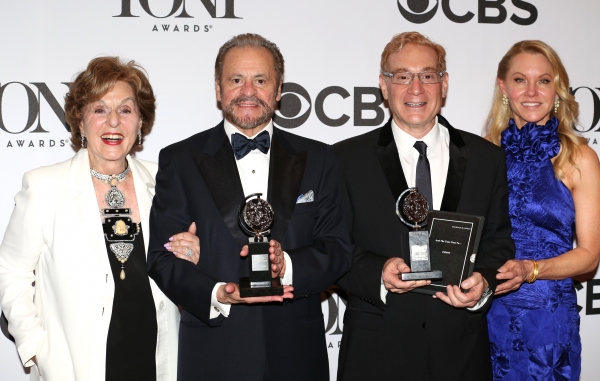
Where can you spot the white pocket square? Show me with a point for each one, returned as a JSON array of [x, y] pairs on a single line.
[[306, 197]]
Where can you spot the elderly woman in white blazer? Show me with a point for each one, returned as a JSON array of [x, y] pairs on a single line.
[[63, 271]]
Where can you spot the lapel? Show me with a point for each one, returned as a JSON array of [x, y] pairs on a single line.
[[80, 190], [389, 159], [217, 166], [387, 153], [286, 170], [459, 153], [143, 182]]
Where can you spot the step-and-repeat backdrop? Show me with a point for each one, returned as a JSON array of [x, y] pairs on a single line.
[[332, 50]]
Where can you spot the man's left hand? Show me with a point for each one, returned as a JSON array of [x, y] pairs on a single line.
[[475, 284], [276, 257]]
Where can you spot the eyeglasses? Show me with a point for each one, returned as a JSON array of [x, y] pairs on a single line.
[[406, 78]]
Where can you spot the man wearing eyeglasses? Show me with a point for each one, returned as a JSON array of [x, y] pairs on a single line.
[[389, 331]]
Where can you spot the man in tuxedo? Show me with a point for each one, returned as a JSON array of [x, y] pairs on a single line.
[[204, 179], [389, 331]]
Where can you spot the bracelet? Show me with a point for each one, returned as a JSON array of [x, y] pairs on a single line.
[[535, 272]]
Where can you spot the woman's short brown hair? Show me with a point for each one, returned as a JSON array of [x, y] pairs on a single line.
[[100, 76]]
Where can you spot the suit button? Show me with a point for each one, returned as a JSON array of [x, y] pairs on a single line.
[[161, 305], [423, 325]]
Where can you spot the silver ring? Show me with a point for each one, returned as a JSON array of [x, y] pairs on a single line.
[[189, 253]]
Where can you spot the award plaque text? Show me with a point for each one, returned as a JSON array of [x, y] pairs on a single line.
[[453, 244]]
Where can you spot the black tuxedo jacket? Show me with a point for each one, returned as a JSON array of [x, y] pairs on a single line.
[[413, 336], [198, 181]]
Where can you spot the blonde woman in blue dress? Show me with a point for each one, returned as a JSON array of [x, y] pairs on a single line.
[[554, 182]]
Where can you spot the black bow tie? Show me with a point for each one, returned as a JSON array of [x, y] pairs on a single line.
[[242, 145]]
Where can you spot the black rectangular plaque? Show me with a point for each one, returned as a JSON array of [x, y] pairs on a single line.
[[260, 271], [259, 282], [453, 244]]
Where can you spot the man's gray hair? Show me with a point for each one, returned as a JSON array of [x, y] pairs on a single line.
[[250, 40]]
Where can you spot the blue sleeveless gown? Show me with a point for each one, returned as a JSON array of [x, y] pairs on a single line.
[[534, 332]]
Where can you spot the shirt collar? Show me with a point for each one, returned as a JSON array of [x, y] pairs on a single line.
[[405, 141], [230, 129]]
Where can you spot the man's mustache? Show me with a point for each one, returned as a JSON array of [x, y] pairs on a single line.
[[254, 99]]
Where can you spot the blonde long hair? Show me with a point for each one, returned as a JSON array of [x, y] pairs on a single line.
[[568, 111]]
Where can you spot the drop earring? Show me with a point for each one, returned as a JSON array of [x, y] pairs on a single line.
[[556, 104], [83, 143], [505, 102]]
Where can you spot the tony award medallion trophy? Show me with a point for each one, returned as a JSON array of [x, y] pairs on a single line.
[[255, 219], [415, 209]]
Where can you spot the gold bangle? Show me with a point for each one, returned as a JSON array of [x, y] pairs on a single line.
[[535, 272]]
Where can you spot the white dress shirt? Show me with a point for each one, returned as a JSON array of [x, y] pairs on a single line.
[[254, 175], [438, 154]]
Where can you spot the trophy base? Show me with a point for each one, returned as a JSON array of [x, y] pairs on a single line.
[[246, 290], [435, 274]]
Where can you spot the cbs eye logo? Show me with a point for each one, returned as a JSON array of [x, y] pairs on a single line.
[[418, 11], [488, 11], [296, 106], [294, 98]]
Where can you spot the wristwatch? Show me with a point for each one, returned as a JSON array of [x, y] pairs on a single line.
[[486, 293]]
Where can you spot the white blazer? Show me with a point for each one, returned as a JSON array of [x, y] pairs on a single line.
[[55, 240]]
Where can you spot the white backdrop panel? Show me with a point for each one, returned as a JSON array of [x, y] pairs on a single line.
[[330, 47]]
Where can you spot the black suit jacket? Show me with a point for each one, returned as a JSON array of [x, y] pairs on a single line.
[[413, 336], [198, 181]]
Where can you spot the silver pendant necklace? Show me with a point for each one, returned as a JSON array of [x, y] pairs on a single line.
[[118, 227], [120, 232], [114, 198]]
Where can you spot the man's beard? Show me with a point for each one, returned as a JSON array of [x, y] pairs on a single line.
[[248, 123]]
